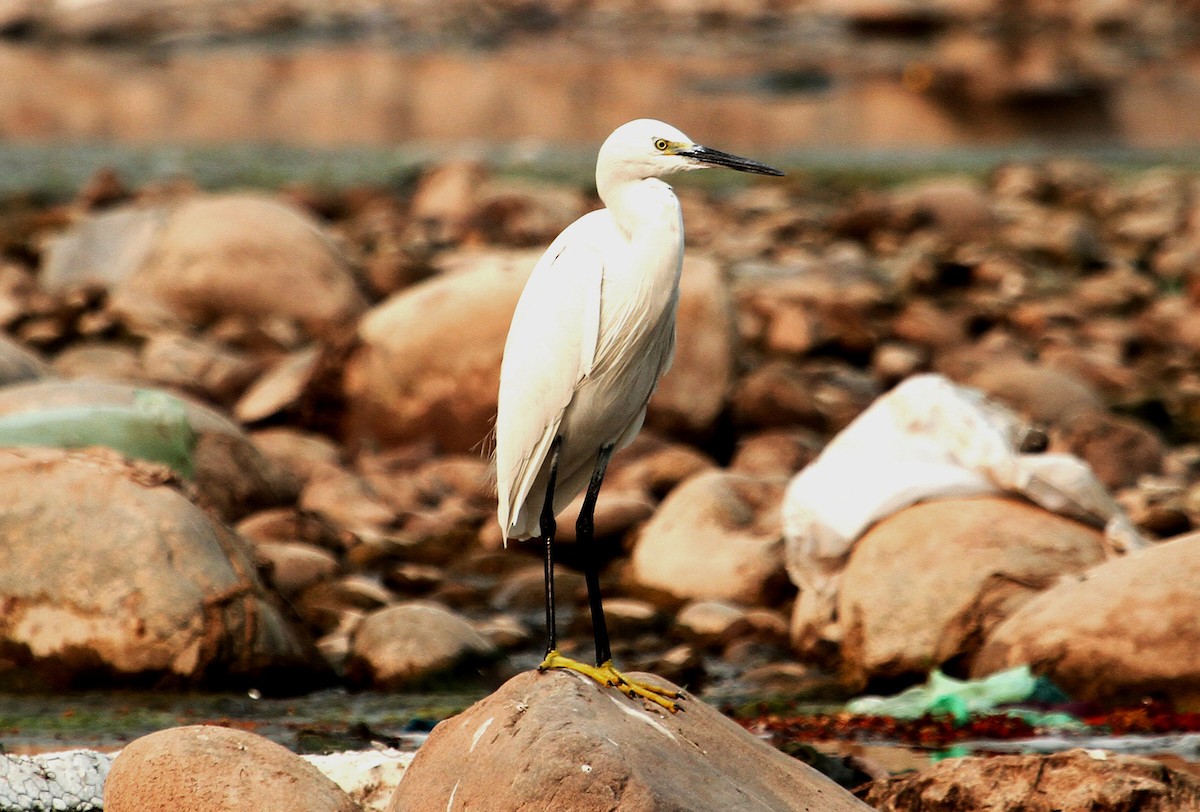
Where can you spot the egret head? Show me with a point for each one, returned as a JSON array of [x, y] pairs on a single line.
[[646, 148]]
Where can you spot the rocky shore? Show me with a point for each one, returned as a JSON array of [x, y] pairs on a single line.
[[246, 436]]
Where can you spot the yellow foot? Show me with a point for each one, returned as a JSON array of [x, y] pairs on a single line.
[[605, 674]]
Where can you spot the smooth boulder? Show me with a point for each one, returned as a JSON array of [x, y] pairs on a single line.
[[109, 575], [207, 257], [716, 536], [557, 740], [927, 584], [410, 644], [206, 768], [1124, 629], [429, 360]]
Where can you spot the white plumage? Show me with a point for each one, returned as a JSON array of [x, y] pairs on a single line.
[[594, 329], [592, 333]]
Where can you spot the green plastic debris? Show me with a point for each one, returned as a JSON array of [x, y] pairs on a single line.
[[153, 427], [960, 699]]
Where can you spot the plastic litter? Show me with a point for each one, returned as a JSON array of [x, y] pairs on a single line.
[[961, 699], [154, 427], [928, 438]]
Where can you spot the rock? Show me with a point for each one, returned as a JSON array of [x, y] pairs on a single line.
[[616, 513], [300, 453], [110, 576], [1120, 450], [408, 382], [288, 525], [445, 201], [777, 452], [559, 739], [295, 566], [202, 368], [1073, 781], [1124, 629], [694, 391], [346, 500], [711, 622], [411, 643], [820, 395], [190, 263], [716, 536], [229, 473], [217, 769], [958, 208], [927, 584], [326, 604], [281, 388], [19, 364], [653, 466], [103, 360], [1043, 395]]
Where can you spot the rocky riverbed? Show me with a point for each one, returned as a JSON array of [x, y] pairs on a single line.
[[246, 436]]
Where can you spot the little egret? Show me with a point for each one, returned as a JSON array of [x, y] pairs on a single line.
[[592, 333]]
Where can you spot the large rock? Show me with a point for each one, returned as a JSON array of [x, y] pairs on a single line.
[[17, 363], [109, 575], [206, 768], [1126, 628], [560, 741], [209, 256], [230, 474], [926, 585], [429, 364], [407, 644], [718, 536], [695, 390], [1074, 781]]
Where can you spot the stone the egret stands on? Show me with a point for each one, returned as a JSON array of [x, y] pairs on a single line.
[[592, 333]]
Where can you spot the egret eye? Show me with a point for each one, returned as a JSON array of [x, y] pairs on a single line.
[[661, 144]]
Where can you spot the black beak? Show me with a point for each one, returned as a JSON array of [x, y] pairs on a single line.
[[718, 158]]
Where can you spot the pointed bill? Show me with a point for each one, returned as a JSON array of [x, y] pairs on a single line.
[[715, 157]]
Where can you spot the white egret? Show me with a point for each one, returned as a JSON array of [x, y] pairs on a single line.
[[592, 333]]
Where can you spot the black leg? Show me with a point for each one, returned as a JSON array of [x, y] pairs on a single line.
[[585, 538], [548, 527]]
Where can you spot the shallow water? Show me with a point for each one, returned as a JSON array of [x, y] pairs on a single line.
[[337, 720]]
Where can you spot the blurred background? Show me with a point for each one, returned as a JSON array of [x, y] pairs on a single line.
[[830, 80], [1004, 192]]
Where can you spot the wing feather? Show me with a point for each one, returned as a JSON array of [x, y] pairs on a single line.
[[551, 348]]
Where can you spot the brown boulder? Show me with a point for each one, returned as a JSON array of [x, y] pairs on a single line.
[[429, 364], [1074, 781], [407, 644], [717, 536], [927, 584], [205, 768], [108, 574], [694, 391], [209, 256], [1125, 629], [17, 363], [1040, 393], [560, 741]]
